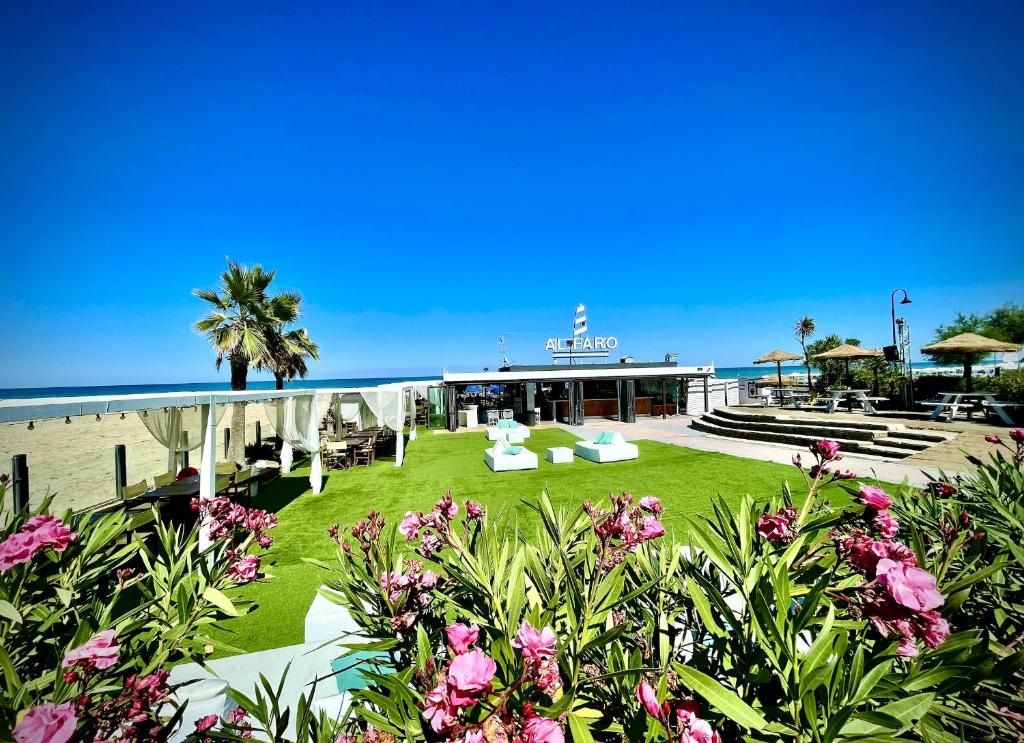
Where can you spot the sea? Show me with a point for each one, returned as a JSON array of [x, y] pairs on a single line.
[[24, 393]]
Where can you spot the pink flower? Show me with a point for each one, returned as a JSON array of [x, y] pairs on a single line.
[[772, 528], [863, 552], [18, 549], [447, 507], [536, 645], [651, 504], [993, 439], [474, 510], [826, 449], [206, 723], [410, 526], [887, 526], [461, 638], [50, 532], [543, 730], [473, 736], [438, 710], [652, 529], [911, 587], [469, 678], [935, 630], [99, 652], [696, 730], [1017, 434], [237, 715], [244, 570], [428, 580], [430, 544], [648, 699], [47, 723], [874, 497], [907, 648], [797, 461]]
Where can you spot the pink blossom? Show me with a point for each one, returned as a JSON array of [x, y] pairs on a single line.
[[652, 529], [874, 497], [50, 531], [536, 645], [907, 648], [99, 652], [428, 580], [543, 730], [911, 587], [47, 723], [797, 461], [1017, 434], [651, 504], [772, 528], [473, 736], [649, 699], [696, 730], [474, 510], [887, 526], [206, 723], [863, 552], [461, 638], [244, 570], [446, 507], [438, 710], [993, 439], [826, 449], [469, 678], [18, 549], [431, 543], [411, 524], [935, 630]]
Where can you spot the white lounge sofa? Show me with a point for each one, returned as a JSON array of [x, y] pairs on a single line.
[[499, 459], [616, 450], [512, 432]]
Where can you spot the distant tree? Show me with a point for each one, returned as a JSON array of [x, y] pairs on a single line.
[[1006, 323], [242, 327], [972, 323], [804, 329], [830, 371]]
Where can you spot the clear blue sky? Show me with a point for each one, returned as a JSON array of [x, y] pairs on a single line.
[[428, 175]]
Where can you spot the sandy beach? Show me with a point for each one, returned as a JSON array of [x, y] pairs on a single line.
[[75, 461]]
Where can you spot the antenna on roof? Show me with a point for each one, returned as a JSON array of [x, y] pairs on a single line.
[[503, 342]]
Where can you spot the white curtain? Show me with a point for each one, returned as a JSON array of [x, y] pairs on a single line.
[[411, 405], [353, 408], [177, 429], [296, 421], [388, 406]]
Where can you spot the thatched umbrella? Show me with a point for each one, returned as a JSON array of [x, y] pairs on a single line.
[[846, 353], [778, 357], [968, 344]]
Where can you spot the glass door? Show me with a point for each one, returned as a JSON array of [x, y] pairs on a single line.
[[436, 414]]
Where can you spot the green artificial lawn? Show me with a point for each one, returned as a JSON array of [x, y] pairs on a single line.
[[684, 479]]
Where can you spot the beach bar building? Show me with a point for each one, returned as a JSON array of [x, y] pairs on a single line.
[[569, 393]]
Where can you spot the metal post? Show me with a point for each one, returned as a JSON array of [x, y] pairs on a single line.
[[227, 441], [707, 398], [208, 468], [184, 447], [120, 469], [19, 485], [259, 432]]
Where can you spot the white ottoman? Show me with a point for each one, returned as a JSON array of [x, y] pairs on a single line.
[[559, 455]]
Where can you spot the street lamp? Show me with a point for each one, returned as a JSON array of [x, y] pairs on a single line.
[[892, 306]]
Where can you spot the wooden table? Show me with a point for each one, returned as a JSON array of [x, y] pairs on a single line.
[[953, 401]]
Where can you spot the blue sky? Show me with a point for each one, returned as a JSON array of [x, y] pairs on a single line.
[[429, 175]]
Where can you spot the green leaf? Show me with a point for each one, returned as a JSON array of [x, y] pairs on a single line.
[[580, 729], [8, 611], [721, 698], [907, 711], [221, 601], [700, 603]]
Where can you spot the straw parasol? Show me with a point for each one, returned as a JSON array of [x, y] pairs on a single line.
[[968, 344], [778, 357], [846, 353]]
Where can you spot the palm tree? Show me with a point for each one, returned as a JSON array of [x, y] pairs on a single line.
[[242, 327], [288, 353], [804, 329]]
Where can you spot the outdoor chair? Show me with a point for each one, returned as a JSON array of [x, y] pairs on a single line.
[[364, 455], [163, 480], [134, 491], [226, 468]]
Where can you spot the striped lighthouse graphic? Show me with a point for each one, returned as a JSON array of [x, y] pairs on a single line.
[[580, 345]]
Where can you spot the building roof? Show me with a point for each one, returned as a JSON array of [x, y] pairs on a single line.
[[580, 373]]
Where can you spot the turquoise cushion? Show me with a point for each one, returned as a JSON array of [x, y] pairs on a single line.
[[346, 669], [603, 438], [503, 424], [514, 450]]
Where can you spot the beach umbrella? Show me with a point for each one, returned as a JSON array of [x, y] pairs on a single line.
[[846, 353], [778, 357], [968, 344]]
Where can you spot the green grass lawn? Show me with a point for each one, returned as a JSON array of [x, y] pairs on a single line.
[[684, 479]]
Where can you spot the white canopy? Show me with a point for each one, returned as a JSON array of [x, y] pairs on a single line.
[[179, 429]]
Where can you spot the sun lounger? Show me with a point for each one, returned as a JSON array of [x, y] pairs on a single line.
[[504, 458], [607, 447], [510, 431]]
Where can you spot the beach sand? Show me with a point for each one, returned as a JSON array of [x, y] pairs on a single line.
[[76, 461]]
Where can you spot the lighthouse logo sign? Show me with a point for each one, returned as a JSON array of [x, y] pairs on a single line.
[[581, 345]]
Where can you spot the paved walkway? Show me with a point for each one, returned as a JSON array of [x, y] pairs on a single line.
[[676, 431]]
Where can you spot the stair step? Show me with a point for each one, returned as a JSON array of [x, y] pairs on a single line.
[[788, 426], [897, 443], [935, 438], [823, 422], [752, 434]]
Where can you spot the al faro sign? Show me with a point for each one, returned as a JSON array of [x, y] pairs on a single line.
[[581, 345]]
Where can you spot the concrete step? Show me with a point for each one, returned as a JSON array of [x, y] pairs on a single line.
[[821, 431], [898, 442], [933, 437], [829, 422], [850, 446]]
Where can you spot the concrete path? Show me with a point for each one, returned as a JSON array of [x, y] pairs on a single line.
[[676, 431]]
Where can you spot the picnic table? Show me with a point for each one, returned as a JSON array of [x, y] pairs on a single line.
[[796, 396], [951, 402], [861, 397]]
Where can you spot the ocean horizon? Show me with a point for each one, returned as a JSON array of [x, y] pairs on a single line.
[[25, 393]]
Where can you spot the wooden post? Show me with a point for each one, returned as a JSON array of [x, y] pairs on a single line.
[[259, 433], [19, 484], [120, 469], [227, 441]]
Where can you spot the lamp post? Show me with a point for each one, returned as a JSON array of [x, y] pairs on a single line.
[[892, 306]]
